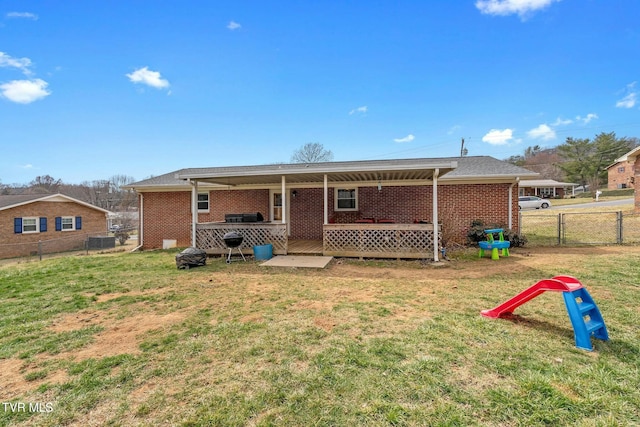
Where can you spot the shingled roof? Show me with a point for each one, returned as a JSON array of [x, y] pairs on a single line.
[[12, 201], [451, 169]]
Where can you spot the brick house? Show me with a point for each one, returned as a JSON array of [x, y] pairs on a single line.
[[383, 208], [621, 174], [633, 158], [59, 222], [546, 188]]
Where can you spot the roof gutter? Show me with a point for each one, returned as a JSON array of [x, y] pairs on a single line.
[[310, 169]]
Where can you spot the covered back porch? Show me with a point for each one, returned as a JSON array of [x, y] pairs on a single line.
[[332, 199]]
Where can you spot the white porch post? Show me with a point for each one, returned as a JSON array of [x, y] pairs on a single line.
[[284, 199], [510, 207], [326, 200], [194, 211], [435, 216]]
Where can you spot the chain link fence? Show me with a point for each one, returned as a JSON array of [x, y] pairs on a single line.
[[75, 243], [584, 228]]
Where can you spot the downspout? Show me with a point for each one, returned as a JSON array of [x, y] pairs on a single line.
[[435, 216], [510, 222], [140, 225]]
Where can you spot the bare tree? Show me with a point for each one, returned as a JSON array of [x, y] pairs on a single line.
[[123, 200], [45, 184], [312, 152]]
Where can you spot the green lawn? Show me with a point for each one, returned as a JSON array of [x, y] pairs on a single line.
[[127, 339]]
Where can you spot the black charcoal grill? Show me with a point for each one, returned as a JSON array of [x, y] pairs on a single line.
[[233, 240]]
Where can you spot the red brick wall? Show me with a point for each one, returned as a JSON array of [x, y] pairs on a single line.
[[94, 223], [307, 213], [636, 180], [615, 177], [244, 201], [462, 204], [168, 215], [458, 206]]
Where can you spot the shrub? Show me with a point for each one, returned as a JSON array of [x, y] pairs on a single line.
[[476, 234], [122, 236]]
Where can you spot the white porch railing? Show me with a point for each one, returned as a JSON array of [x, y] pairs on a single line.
[[209, 236], [379, 240]]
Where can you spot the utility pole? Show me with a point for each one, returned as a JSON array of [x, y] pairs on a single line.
[[463, 151]]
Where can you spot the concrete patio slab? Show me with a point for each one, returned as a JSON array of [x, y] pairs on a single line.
[[298, 261]]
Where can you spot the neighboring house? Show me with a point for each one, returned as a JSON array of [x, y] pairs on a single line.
[[382, 208], [621, 174], [633, 157], [60, 222], [546, 188]]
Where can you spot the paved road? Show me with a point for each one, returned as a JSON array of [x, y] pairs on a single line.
[[628, 201]]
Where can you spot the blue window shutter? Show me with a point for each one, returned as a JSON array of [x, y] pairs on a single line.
[[43, 224], [78, 223], [58, 223], [17, 225]]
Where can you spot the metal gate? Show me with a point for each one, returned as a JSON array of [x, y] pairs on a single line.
[[575, 228], [590, 228]]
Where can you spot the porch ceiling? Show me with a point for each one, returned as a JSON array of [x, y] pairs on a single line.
[[314, 173]]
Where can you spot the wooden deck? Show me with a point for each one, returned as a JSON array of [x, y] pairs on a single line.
[[310, 247]]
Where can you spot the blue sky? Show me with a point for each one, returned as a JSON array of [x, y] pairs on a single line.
[[91, 89]]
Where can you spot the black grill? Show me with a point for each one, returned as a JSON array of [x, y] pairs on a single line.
[[233, 239], [244, 217]]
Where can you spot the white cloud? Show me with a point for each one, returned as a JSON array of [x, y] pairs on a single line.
[[630, 99], [27, 166], [24, 91], [21, 64], [562, 122], [26, 15], [543, 132], [360, 110], [407, 138], [587, 119], [454, 129], [498, 137], [150, 78], [233, 25], [509, 7]]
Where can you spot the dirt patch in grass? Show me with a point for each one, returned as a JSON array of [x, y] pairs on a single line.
[[109, 297], [521, 259], [13, 380], [119, 336]]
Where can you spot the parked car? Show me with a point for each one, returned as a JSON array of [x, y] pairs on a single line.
[[532, 202]]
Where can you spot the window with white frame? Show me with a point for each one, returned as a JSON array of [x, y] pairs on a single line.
[[546, 191], [203, 202], [30, 225], [67, 223], [346, 199]]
